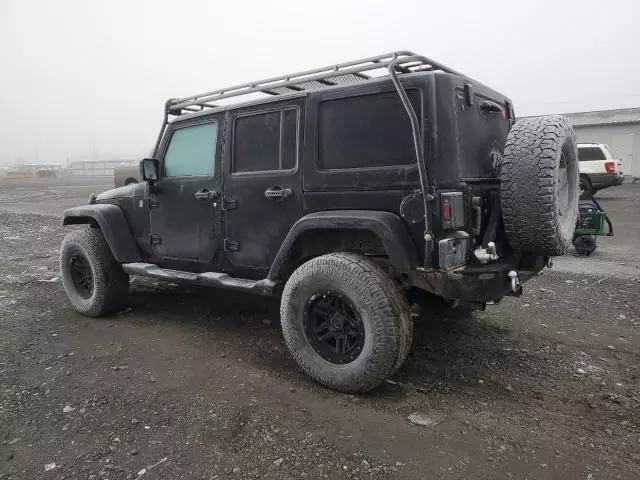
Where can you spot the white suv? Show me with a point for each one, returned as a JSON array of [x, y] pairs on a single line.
[[598, 168]]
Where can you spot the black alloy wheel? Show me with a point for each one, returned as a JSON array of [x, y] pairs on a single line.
[[333, 328], [81, 275]]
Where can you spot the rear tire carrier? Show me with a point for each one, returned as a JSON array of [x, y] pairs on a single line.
[[539, 185]]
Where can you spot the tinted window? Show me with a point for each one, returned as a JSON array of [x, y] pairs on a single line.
[[366, 131], [266, 141], [289, 139], [192, 151], [586, 154]]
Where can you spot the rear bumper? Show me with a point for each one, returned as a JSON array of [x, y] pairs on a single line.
[[604, 180], [475, 284]]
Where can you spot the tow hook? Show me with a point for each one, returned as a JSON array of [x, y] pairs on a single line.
[[515, 283], [488, 254]]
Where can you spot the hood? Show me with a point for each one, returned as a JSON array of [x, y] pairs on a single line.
[[131, 190]]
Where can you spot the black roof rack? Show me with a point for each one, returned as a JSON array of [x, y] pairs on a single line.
[[339, 74]]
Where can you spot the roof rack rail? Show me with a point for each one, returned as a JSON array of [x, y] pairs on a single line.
[[339, 74]]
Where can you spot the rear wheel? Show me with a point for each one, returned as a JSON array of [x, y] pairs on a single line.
[[345, 322], [94, 282], [539, 185]]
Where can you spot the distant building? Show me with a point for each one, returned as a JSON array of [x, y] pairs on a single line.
[[618, 129], [97, 168]]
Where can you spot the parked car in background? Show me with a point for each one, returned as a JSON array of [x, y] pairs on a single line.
[[598, 168], [126, 175]]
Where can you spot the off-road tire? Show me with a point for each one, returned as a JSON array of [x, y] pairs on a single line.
[[535, 221], [378, 301], [110, 282]]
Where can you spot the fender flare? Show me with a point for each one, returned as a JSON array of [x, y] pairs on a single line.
[[113, 225], [388, 227]]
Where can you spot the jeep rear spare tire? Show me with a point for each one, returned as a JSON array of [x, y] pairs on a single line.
[[539, 185], [345, 322]]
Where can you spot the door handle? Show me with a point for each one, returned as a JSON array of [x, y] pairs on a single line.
[[205, 194], [278, 192]]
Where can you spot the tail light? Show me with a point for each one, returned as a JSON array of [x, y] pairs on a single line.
[[446, 211], [451, 210], [610, 167]]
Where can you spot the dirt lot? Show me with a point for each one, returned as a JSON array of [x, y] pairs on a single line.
[[193, 384]]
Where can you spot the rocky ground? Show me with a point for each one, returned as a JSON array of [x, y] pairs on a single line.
[[197, 384]]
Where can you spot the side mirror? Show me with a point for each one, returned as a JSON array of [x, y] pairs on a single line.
[[149, 170]]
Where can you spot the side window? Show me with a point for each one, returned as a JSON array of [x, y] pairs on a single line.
[[265, 141], [192, 151], [366, 131]]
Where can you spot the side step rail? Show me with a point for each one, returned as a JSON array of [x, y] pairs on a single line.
[[210, 279]]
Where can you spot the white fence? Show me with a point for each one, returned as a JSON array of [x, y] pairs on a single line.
[[99, 168]]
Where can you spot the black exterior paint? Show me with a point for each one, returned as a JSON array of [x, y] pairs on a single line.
[[246, 235], [389, 228], [259, 224], [186, 231], [111, 221]]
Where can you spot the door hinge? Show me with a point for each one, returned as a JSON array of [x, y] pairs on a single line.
[[231, 246], [229, 204], [155, 239]]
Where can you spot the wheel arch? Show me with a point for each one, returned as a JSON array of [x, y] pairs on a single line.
[[585, 176], [358, 231], [111, 221]]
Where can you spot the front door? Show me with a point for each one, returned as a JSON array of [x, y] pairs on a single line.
[[263, 185], [185, 218]]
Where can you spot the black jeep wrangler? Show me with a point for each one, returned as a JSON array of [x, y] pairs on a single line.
[[352, 191]]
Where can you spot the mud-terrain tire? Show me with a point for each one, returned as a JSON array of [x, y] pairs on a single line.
[[94, 282], [539, 185], [360, 291]]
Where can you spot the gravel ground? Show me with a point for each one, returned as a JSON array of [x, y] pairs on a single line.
[[197, 384]]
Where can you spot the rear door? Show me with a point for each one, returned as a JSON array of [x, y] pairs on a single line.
[[263, 184], [184, 208]]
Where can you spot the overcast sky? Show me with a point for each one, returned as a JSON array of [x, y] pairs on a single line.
[[87, 78]]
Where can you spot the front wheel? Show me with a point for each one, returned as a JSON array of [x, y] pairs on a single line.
[[345, 322], [94, 282]]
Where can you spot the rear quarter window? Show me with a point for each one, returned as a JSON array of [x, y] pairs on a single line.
[[367, 131], [588, 154]]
